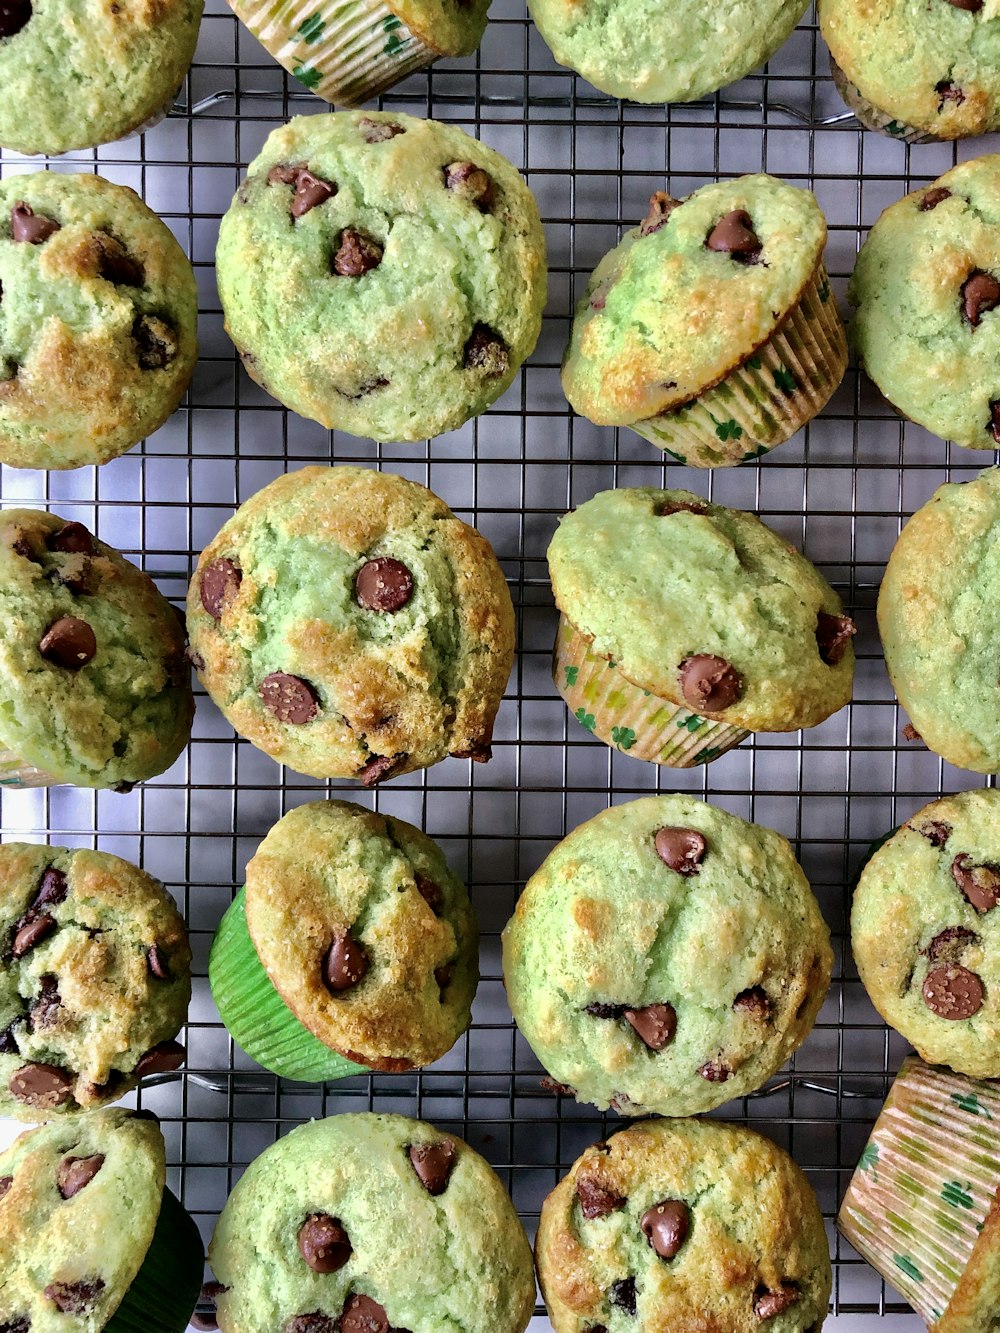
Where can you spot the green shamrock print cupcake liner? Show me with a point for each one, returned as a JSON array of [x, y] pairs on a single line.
[[870, 116], [629, 718], [14, 772], [924, 1205], [768, 397]]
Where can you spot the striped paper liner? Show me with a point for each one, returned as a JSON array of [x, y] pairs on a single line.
[[871, 117]]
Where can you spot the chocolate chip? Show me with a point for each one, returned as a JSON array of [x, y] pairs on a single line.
[[470, 183], [158, 962], [661, 205], [69, 643], [162, 1058], [768, 1303], [345, 963], [486, 351], [599, 1010], [14, 14], [44, 1086], [378, 131], [431, 893], [285, 174], [665, 1226], [357, 254], [980, 884], [443, 975], [734, 235], [833, 634], [669, 507], [980, 293], [363, 388], [156, 342], [46, 1004], [383, 585], [970, 6], [289, 698], [596, 1200], [74, 1173], [31, 933], [949, 945], [363, 1315], [310, 192], [622, 1294], [380, 766], [323, 1243], [936, 833], [433, 1163], [8, 1042], [5, 1184], [480, 752], [932, 198], [714, 1071], [74, 1297], [680, 849], [116, 264], [754, 1003], [558, 1089], [312, 1323], [27, 225], [949, 93], [205, 1319], [220, 582], [993, 425], [953, 992], [19, 1324], [655, 1024], [910, 733], [71, 539], [709, 684]]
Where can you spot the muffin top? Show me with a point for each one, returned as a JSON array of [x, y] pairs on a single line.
[[664, 53], [688, 295], [364, 931], [382, 274], [368, 1223], [704, 606], [926, 286], [78, 1207], [925, 929], [94, 685], [933, 64], [666, 956], [668, 1218], [94, 979], [350, 625], [98, 322], [77, 73], [939, 620]]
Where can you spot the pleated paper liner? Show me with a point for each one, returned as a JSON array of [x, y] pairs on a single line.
[[344, 52], [256, 1016], [870, 116], [14, 772], [767, 398], [628, 717], [164, 1292], [920, 1196]]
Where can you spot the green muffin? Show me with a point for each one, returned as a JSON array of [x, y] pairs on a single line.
[[916, 69], [683, 1225], [711, 329], [381, 274], [78, 73], [95, 979], [89, 1236], [366, 1223], [664, 53], [666, 957], [926, 284], [95, 688], [925, 930], [685, 625], [98, 323], [351, 936], [349, 625], [939, 620]]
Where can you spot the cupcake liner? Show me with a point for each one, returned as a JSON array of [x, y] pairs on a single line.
[[769, 396], [345, 51], [166, 1288], [628, 717], [14, 772], [871, 117], [256, 1016], [925, 1184]]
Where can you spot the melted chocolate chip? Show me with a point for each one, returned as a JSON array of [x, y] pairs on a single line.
[[71, 539], [363, 388], [14, 15], [661, 205], [156, 342], [970, 6], [665, 1226], [431, 893], [680, 849], [767, 1303], [714, 1071], [754, 1003], [323, 1243], [42, 1086], [345, 963], [158, 963], [75, 1297], [74, 1173], [383, 585], [596, 1200], [599, 1010], [487, 352], [833, 634], [993, 425], [29, 226], [470, 183], [938, 195], [433, 1163], [285, 174], [357, 254], [162, 1058], [289, 698], [443, 975], [312, 1323], [948, 92], [980, 294], [709, 684], [910, 733], [980, 885], [31, 933], [363, 1315], [558, 1089], [480, 752], [378, 131], [655, 1024], [734, 235], [46, 1004], [8, 1042], [380, 766], [310, 192], [5, 1184], [622, 1294], [220, 583], [69, 642], [953, 992], [951, 944], [116, 264], [669, 507], [936, 833]]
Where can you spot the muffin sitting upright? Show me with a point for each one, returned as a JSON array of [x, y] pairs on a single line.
[[381, 274], [684, 626], [348, 624], [99, 335], [711, 329]]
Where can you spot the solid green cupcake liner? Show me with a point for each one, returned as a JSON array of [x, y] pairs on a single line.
[[871, 117], [164, 1292], [256, 1016]]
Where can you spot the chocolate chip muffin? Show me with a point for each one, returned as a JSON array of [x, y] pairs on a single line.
[[925, 929], [926, 285], [685, 625], [95, 979], [78, 73], [348, 624], [666, 53], [939, 622], [95, 689], [711, 329], [369, 1223], [666, 956], [684, 1224], [351, 936], [90, 1238], [98, 336], [381, 274], [916, 69]]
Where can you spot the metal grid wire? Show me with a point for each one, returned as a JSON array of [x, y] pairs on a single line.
[[840, 490]]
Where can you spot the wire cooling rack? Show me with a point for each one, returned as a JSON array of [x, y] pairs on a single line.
[[840, 490]]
